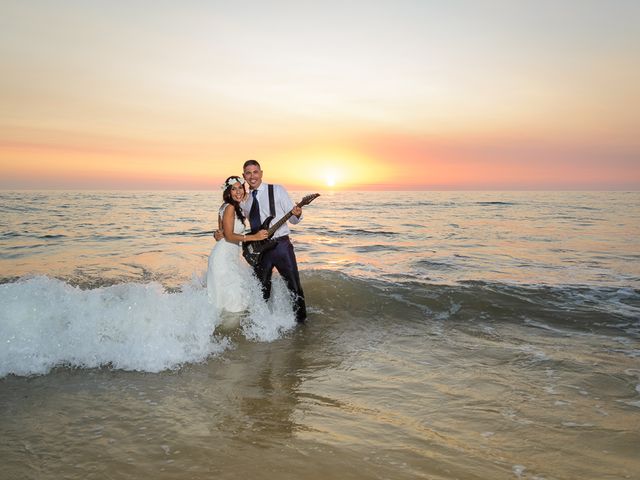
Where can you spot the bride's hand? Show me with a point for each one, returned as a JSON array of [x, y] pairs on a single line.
[[261, 235]]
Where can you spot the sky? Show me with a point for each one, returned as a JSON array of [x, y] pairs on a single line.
[[365, 95]]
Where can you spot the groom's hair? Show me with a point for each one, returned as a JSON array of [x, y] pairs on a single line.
[[251, 162]]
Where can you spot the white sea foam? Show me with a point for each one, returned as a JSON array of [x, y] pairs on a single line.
[[45, 322], [574, 424], [267, 322], [518, 470]]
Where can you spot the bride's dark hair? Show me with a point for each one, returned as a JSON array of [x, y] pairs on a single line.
[[226, 195]]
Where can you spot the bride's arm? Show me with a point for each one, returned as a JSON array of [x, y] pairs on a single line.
[[228, 219]]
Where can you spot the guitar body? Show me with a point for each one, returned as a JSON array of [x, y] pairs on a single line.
[[253, 251]]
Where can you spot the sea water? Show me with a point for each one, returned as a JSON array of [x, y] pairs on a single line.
[[468, 335]]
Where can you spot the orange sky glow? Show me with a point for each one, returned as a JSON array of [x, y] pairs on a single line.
[[364, 95]]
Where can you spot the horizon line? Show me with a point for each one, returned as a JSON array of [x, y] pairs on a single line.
[[359, 188]]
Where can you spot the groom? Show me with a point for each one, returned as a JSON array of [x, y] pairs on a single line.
[[282, 257], [256, 207]]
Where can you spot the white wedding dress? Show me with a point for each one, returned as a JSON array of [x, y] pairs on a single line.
[[229, 278]]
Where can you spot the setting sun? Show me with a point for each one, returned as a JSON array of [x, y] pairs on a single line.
[[331, 176], [337, 168]]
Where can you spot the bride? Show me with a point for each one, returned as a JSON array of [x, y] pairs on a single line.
[[228, 279]]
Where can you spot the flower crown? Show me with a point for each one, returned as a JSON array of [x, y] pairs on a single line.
[[231, 181]]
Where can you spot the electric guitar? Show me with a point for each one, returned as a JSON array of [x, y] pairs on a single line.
[[252, 251]]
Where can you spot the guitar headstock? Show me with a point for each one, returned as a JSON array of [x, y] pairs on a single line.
[[306, 200]]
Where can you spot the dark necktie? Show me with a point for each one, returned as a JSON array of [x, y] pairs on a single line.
[[254, 213]]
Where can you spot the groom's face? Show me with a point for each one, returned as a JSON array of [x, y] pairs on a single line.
[[253, 176]]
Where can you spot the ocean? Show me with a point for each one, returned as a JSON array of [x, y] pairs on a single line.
[[451, 335]]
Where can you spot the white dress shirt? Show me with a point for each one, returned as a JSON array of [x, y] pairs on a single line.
[[282, 203]]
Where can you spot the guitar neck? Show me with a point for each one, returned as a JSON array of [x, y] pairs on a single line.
[[279, 223], [305, 201]]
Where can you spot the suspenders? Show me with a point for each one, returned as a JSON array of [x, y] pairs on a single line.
[[272, 203]]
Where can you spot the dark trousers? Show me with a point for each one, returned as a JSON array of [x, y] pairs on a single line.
[[283, 259]]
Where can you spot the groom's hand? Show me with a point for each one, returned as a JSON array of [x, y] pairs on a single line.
[[218, 235], [297, 211]]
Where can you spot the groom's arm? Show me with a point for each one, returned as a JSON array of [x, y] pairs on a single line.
[[288, 206], [218, 234]]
